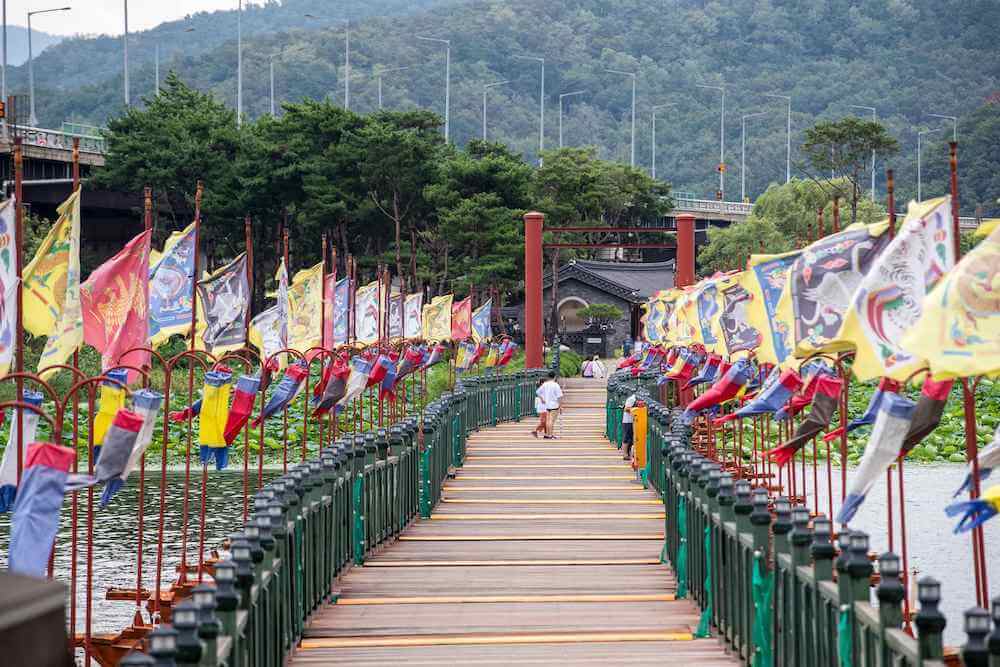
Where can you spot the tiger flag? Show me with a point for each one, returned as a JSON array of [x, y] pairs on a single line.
[[412, 315], [223, 304], [822, 283], [960, 318], [305, 309], [8, 284], [269, 329], [889, 300], [482, 327], [437, 319], [767, 275], [115, 307], [171, 281], [461, 319], [366, 312], [51, 288]]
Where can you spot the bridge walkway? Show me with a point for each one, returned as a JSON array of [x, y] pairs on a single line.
[[540, 552]]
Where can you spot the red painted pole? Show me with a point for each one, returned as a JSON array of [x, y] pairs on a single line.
[[533, 222], [890, 189], [684, 274]]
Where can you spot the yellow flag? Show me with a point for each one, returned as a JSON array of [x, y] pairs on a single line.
[[682, 323], [958, 332], [51, 288], [437, 318], [305, 309], [734, 328], [765, 281]]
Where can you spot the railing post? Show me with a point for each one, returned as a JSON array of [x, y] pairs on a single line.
[[761, 610], [859, 571], [930, 621], [975, 651]]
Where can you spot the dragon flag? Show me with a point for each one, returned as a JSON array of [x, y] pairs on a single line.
[[507, 350], [889, 300], [51, 288], [437, 319], [957, 329], [366, 312], [269, 328], [765, 281], [482, 328], [223, 304], [305, 309], [989, 458], [461, 319], [114, 304], [341, 316], [412, 313], [395, 324], [707, 309], [822, 283], [171, 278], [8, 284]]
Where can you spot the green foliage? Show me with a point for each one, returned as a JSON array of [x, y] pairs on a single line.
[[783, 218], [603, 313]]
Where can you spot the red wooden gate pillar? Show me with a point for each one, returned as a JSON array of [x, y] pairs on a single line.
[[533, 222], [684, 274]]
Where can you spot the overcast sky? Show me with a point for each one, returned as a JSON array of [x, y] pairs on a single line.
[[107, 16]]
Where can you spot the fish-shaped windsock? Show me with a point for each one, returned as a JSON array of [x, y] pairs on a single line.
[[478, 353], [379, 370], [111, 399], [492, 355], [190, 412], [413, 356], [800, 399], [335, 386], [771, 397], [35, 519], [723, 390], [671, 356], [387, 388], [684, 367], [630, 360], [989, 458], [8, 468], [927, 415], [244, 395], [436, 356], [212, 420], [891, 424], [708, 372], [285, 392], [885, 385], [357, 381], [975, 512], [145, 403], [507, 349], [824, 404], [119, 442]]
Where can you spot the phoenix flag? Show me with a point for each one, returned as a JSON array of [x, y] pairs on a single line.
[[461, 319], [437, 319]]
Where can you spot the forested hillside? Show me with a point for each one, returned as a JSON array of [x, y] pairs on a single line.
[[904, 57]]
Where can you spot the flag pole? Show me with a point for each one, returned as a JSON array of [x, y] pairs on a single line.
[[322, 298], [147, 223], [890, 189], [333, 315], [248, 237], [284, 255], [19, 263]]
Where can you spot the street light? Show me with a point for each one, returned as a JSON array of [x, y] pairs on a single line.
[[954, 123], [743, 152], [379, 77], [33, 119], [722, 139], [788, 135], [239, 65], [486, 88], [541, 109], [920, 135], [631, 74], [447, 82], [347, 58], [561, 97], [874, 120], [653, 139], [125, 43]]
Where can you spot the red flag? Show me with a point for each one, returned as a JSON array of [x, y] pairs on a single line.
[[461, 320], [115, 301]]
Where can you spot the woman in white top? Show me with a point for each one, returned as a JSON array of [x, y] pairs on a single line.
[[542, 410], [597, 369]]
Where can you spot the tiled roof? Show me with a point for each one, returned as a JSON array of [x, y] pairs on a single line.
[[631, 281]]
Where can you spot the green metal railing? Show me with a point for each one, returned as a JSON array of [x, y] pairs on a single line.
[[326, 514], [768, 577]]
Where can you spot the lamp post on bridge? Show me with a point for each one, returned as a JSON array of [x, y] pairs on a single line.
[[954, 123], [447, 83], [743, 152], [788, 135], [722, 140], [874, 120], [33, 119], [633, 75], [653, 138], [485, 89], [561, 97]]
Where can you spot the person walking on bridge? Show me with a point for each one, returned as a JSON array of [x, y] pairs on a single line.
[[627, 421], [551, 394], [541, 411]]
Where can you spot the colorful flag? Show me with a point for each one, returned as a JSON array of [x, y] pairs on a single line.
[[708, 311], [8, 467], [767, 276], [507, 350], [958, 327], [8, 284], [146, 404], [366, 314], [737, 332], [305, 309], [286, 391], [357, 381], [51, 288], [412, 314], [889, 300], [171, 278], [269, 329], [213, 417], [342, 312], [113, 298], [482, 324], [436, 318], [822, 283], [725, 389], [335, 387], [824, 403], [395, 315], [461, 319], [329, 310], [223, 304]]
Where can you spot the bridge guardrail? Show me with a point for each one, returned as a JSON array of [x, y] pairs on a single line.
[[712, 206], [43, 138], [771, 581]]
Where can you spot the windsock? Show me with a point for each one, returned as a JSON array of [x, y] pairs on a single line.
[[800, 400], [891, 424], [885, 385], [388, 386], [413, 356], [927, 415], [8, 468], [771, 397], [492, 356], [480, 352], [976, 512], [111, 399], [824, 404], [335, 387], [239, 413], [507, 349], [285, 392], [671, 356], [723, 390], [379, 370], [35, 520], [709, 372], [145, 403], [361, 368], [119, 442], [989, 458], [436, 356], [463, 355], [684, 367]]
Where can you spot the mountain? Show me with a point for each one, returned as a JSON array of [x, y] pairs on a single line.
[[17, 43], [904, 57]]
